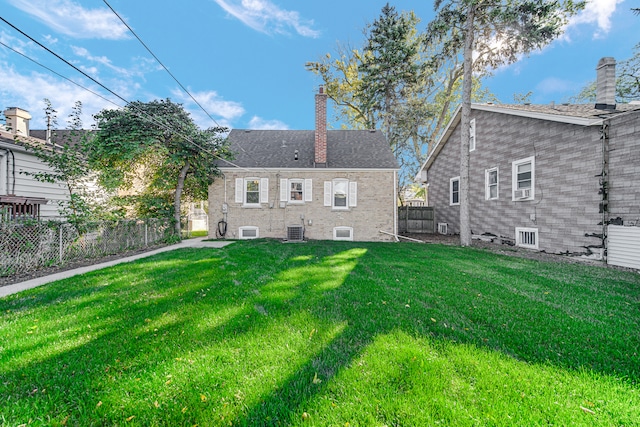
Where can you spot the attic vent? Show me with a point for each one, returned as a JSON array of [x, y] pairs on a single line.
[[443, 227], [295, 233]]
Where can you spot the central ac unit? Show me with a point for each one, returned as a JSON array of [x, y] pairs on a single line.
[[295, 233]]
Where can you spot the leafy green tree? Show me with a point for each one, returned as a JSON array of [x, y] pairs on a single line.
[[64, 154], [156, 150], [390, 84], [487, 34]]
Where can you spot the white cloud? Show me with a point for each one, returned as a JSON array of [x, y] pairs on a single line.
[[70, 18], [223, 111], [554, 85], [84, 53], [28, 91], [597, 12], [263, 124], [266, 17]]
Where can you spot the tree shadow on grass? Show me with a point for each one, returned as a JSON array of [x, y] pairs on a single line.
[[321, 305]]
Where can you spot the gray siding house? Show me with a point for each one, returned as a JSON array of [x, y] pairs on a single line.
[[544, 177], [306, 184]]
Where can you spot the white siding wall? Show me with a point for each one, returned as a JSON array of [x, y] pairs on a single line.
[[26, 185], [623, 246]]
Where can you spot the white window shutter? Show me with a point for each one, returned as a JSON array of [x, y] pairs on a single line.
[[239, 190], [353, 194], [283, 190], [308, 189], [327, 193], [264, 190]]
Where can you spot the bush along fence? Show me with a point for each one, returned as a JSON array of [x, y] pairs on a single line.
[[29, 245]]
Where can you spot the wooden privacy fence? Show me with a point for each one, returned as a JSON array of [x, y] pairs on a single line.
[[416, 219]]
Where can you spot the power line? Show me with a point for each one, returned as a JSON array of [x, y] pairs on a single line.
[[140, 113], [59, 75], [160, 62]]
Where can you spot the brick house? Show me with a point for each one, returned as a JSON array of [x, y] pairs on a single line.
[[306, 184], [545, 177]]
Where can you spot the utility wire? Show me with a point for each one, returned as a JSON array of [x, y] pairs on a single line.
[[59, 75], [160, 62], [140, 113]]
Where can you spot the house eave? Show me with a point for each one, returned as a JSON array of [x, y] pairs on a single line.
[[580, 121]]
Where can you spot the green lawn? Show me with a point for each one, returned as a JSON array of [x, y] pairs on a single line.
[[325, 334]]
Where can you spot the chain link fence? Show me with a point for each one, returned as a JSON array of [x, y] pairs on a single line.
[[30, 245]]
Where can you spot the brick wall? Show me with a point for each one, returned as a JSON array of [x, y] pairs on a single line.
[[567, 162], [375, 210]]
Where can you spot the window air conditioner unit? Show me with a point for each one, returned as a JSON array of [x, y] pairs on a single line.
[[295, 233], [523, 194], [443, 227]]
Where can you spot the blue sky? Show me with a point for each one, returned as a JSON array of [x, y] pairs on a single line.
[[243, 60]]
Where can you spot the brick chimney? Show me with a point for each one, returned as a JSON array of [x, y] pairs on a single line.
[[320, 146], [18, 120], [606, 84]]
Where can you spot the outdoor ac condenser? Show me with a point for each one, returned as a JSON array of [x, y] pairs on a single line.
[[295, 233]]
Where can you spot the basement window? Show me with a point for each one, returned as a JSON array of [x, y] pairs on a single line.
[[248, 232], [343, 233], [527, 237]]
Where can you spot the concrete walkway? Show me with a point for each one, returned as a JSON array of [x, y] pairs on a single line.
[[39, 281]]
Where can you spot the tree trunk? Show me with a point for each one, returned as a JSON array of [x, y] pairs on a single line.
[[465, 218], [178, 195]]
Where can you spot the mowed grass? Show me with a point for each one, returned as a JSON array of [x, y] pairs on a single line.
[[325, 334]]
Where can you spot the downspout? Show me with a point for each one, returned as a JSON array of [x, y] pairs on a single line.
[[395, 204], [13, 172]]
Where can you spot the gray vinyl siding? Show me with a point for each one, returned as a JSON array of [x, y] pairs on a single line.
[[567, 160], [624, 169]]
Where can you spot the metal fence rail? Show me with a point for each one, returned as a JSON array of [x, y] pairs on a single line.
[[30, 245]]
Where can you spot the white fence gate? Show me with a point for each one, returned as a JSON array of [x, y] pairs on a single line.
[[623, 246]]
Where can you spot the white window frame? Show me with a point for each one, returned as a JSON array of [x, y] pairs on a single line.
[[451, 181], [515, 190], [472, 135], [338, 229], [285, 190], [488, 185], [351, 193], [247, 228], [524, 241], [241, 191]]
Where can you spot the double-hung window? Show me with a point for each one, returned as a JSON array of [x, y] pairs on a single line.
[[454, 191], [252, 191], [296, 190], [491, 183], [340, 193], [523, 179]]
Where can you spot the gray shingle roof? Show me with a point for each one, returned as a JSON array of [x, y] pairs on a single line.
[[587, 111], [346, 149]]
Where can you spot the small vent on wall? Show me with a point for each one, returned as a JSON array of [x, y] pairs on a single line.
[[295, 233], [443, 228]]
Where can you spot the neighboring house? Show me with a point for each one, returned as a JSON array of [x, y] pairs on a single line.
[[311, 184], [545, 177], [22, 195]]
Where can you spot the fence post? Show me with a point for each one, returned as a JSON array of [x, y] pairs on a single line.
[[146, 238], [60, 242]]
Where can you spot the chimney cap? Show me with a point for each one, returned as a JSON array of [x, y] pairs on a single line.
[[321, 90]]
